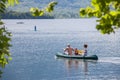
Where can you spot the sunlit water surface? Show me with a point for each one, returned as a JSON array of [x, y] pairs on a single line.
[[34, 52]]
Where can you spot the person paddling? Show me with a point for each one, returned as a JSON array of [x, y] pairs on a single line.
[[35, 28], [85, 49], [69, 49]]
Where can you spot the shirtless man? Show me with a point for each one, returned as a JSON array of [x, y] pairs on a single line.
[[69, 49]]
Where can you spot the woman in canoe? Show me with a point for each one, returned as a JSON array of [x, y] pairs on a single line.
[[85, 49]]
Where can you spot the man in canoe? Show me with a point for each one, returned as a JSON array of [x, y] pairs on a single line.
[[69, 49]]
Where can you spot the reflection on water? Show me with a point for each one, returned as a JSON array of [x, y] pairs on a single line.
[[77, 64], [85, 67], [79, 69]]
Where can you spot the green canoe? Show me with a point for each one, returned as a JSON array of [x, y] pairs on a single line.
[[62, 55]]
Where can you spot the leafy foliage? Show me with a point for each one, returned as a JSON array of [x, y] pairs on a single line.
[[2, 6], [107, 12], [40, 12], [5, 37], [1, 23], [1, 72], [12, 2]]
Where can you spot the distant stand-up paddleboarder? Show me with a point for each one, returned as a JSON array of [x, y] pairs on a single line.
[[35, 28]]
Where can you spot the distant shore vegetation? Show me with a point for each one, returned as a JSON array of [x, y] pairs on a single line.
[[25, 15], [28, 15]]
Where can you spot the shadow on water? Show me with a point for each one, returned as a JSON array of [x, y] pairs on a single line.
[[78, 64]]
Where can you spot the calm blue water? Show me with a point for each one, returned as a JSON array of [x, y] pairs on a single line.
[[34, 52]]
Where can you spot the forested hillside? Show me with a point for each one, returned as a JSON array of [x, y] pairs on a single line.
[[24, 15], [64, 8]]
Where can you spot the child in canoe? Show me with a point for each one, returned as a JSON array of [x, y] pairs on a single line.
[[78, 52], [81, 52]]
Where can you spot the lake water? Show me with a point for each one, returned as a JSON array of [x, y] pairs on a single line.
[[34, 52]]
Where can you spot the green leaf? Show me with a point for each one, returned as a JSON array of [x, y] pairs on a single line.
[[50, 6], [12, 2], [82, 12], [1, 23], [17, 1], [10, 58], [32, 9], [41, 13], [3, 1]]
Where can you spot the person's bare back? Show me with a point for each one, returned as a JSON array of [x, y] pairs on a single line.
[[69, 50]]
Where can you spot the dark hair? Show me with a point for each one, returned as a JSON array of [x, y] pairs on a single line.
[[85, 45]]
